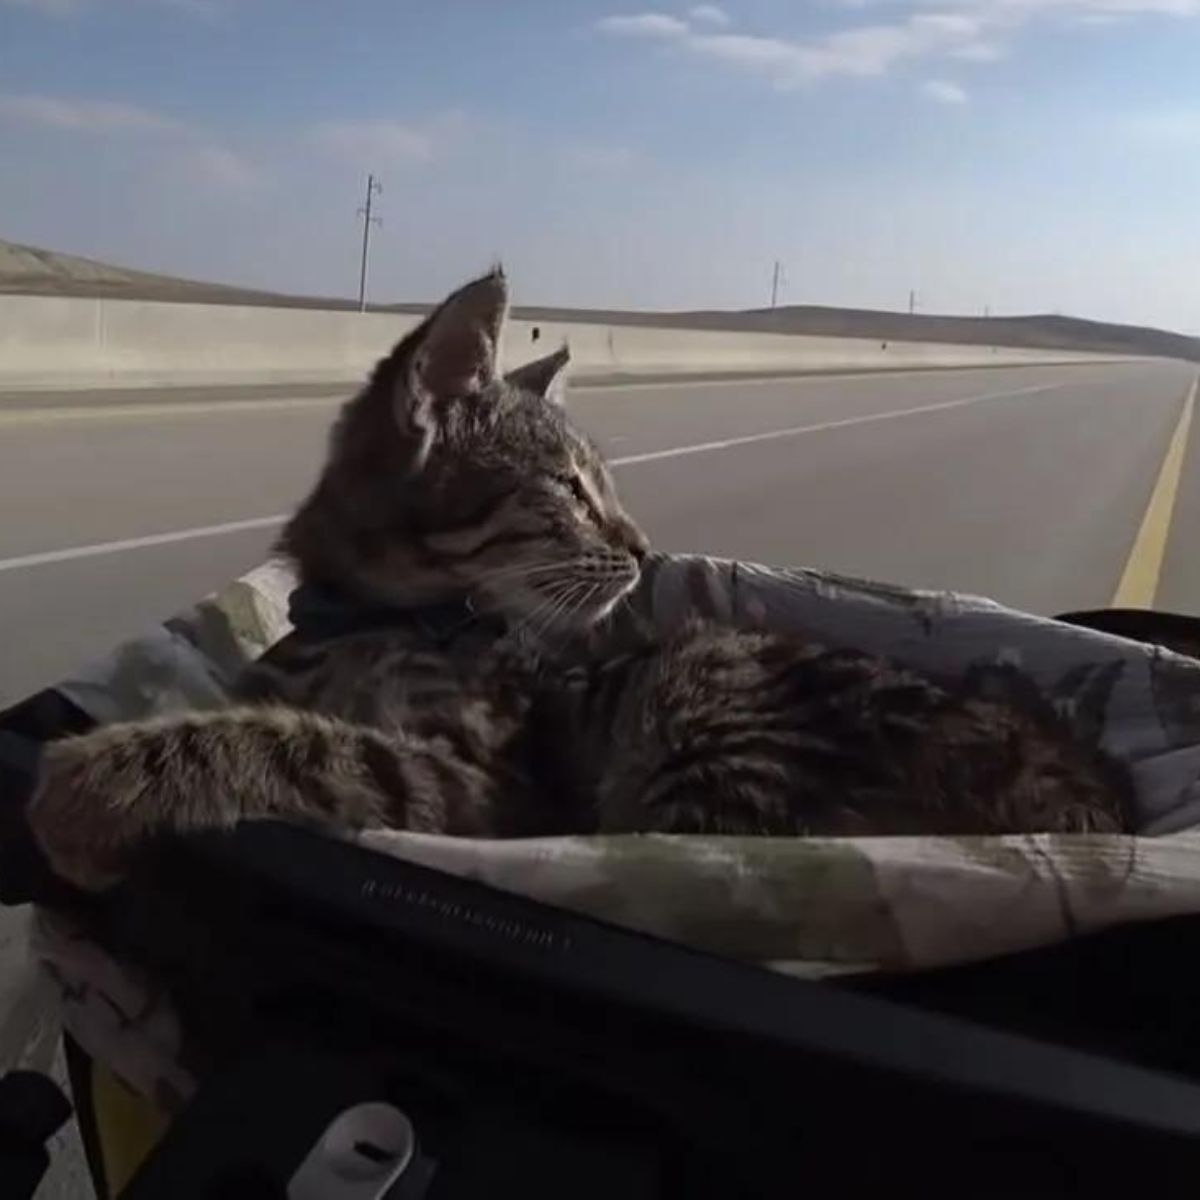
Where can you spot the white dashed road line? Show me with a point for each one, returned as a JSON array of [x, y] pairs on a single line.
[[97, 549]]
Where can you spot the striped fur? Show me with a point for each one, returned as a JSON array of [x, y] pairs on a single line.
[[734, 732], [445, 479], [446, 482]]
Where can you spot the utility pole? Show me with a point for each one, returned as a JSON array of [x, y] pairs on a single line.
[[776, 277], [374, 188], [912, 301]]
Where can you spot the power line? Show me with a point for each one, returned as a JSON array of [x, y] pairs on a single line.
[[374, 188]]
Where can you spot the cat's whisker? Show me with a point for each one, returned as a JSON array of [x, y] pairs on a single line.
[[541, 624], [543, 582], [567, 596], [564, 598], [573, 601], [587, 597], [624, 603], [529, 620], [577, 601], [528, 570], [604, 588]]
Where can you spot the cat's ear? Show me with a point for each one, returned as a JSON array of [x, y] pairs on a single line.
[[452, 354], [544, 376], [456, 354]]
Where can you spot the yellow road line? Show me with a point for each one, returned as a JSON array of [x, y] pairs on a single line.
[[1139, 581]]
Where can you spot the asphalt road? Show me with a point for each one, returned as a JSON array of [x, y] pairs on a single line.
[[1030, 485], [1025, 484]]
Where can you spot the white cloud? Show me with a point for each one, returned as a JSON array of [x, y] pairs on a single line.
[[972, 31], [862, 51], [84, 115], [709, 14], [213, 166], [168, 148], [379, 141], [773, 55], [872, 49], [1032, 9], [1168, 128], [978, 52], [188, 154], [647, 25], [943, 91], [1164, 8], [951, 24], [599, 158]]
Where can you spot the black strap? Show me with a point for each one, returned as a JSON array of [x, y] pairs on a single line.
[[24, 730], [1174, 631], [32, 1110]]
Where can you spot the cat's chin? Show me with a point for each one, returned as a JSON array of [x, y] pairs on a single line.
[[597, 614], [562, 626], [607, 609]]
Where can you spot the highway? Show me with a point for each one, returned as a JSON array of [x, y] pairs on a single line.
[[1026, 484], [1046, 488]]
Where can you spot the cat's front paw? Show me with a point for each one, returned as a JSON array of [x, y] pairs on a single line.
[[84, 813]]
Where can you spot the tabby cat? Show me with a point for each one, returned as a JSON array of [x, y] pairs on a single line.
[[465, 525]]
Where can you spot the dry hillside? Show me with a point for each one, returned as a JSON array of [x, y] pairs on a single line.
[[29, 271]]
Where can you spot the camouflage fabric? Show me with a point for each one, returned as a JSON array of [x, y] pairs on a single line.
[[804, 906]]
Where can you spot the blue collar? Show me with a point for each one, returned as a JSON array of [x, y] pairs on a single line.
[[320, 613]]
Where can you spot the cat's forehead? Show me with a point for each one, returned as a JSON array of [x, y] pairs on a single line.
[[532, 419], [586, 455], [581, 453]]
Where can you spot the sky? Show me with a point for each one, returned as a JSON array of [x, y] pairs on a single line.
[[1001, 155]]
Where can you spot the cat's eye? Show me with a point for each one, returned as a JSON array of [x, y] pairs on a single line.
[[580, 494], [574, 485]]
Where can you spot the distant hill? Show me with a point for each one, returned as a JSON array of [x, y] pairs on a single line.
[[26, 270], [1043, 331]]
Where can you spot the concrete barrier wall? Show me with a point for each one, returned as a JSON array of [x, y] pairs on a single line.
[[64, 342]]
